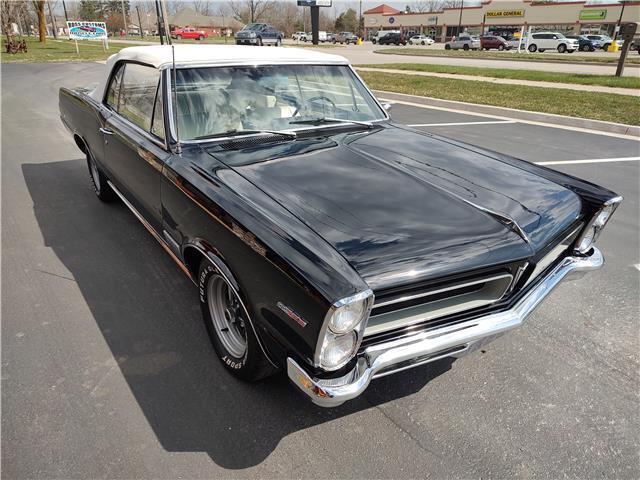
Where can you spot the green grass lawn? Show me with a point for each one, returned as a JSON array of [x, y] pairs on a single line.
[[61, 51], [632, 57], [582, 79], [599, 106]]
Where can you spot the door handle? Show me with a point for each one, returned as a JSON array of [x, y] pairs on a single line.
[[106, 131]]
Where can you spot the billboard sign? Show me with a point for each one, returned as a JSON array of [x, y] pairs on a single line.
[[87, 30]]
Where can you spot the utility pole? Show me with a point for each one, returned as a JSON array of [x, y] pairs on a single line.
[[139, 22], [124, 17], [160, 25], [64, 6], [460, 18]]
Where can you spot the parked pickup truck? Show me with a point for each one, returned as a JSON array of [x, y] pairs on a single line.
[[259, 34], [324, 239], [179, 33]]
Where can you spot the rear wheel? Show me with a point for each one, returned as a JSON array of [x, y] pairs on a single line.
[[278, 42], [501, 47], [606, 46], [422, 43], [541, 50], [178, 37], [584, 48], [447, 46], [229, 327], [533, 47], [201, 37], [259, 42], [466, 46]]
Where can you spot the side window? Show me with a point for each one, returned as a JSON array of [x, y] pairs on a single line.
[[113, 92], [138, 93], [157, 125]]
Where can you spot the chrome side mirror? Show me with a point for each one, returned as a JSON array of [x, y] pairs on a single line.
[[387, 107]]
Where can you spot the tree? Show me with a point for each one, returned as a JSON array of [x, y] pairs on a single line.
[[250, 11], [38, 5], [90, 10], [424, 6], [13, 12], [347, 21]]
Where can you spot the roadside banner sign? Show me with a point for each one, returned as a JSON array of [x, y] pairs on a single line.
[[79, 30], [87, 30]]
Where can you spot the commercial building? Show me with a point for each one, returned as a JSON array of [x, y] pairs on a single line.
[[504, 18], [213, 25]]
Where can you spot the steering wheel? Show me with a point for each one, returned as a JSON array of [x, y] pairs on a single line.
[[315, 99]]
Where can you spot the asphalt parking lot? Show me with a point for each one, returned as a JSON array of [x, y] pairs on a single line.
[[107, 371]]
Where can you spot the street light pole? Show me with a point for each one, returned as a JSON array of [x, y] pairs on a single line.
[[64, 6], [460, 18], [615, 37]]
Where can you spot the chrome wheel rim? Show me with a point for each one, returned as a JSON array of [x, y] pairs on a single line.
[[95, 176], [227, 316]]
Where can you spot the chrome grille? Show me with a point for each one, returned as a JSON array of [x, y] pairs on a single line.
[[407, 309]]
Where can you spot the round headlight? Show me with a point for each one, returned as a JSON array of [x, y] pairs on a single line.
[[346, 318], [337, 350]]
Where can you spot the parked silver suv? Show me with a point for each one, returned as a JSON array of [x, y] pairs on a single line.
[[464, 41]]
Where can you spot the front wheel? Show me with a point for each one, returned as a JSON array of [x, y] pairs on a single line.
[[447, 47], [422, 43], [466, 47], [259, 42], [99, 182], [201, 37], [229, 327], [562, 48], [532, 48], [501, 47], [278, 43]]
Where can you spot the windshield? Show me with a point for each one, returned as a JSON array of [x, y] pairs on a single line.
[[217, 100]]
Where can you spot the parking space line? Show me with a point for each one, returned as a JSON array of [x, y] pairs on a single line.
[[489, 122], [591, 160], [499, 117]]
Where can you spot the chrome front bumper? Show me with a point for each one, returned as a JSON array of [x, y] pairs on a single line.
[[447, 341]]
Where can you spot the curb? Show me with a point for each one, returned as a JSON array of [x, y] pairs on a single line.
[[512, 113], [541, 60]]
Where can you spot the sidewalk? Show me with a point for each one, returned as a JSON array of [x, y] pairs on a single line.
[[508, 81]]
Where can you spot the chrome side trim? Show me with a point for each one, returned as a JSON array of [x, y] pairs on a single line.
[[449, 340], [151, 230]]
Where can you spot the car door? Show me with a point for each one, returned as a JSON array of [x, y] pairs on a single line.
[[134, 139]]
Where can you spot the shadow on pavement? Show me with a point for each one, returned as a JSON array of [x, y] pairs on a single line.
[[149, 315]]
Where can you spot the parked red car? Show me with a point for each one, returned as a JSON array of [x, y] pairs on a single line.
[[487, 42], [189, 32]]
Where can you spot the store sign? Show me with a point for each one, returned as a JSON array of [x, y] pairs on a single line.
[[593, 14], [505, 13], [314, 3], [432, 20], [392, 19], [87, 30]]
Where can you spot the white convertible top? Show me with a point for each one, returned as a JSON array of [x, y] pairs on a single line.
[[215, 55]]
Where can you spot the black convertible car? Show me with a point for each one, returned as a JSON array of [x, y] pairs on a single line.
[[325, 239]]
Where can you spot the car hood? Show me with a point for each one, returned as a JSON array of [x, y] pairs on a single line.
[[403, 206]]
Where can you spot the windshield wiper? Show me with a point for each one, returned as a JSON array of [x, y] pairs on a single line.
[[320, 120], [236, 133]]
